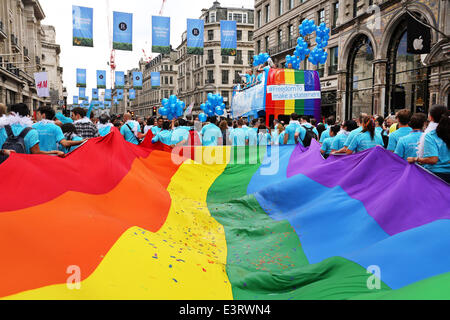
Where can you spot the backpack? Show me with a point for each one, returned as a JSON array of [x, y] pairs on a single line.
[[14, 143], [310, 135]]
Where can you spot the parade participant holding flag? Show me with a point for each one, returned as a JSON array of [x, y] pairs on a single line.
[[367, 139], [403, 129], [104, 126], [50, 135], [339, 141], [211, 134], [165, 136], [158, 127], [239, 136], [407, 147], [85, 128], [19, 125], [131, 130]]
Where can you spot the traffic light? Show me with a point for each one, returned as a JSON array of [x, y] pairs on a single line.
[[154, 110]]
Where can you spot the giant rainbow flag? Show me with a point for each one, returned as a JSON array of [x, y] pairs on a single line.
[[142, 223]]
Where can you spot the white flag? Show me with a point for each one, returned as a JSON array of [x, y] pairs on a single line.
[[42, 85]]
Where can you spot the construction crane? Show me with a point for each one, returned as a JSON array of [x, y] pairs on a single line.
[[162, 7]]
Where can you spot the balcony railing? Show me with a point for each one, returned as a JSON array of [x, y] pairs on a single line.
[[332, 70], [282, 47], [2, 31], [210, 81], [225, 59], [238, 61], [321, 72], [38, 60], [15, 43], [210, 61], [26, 53]]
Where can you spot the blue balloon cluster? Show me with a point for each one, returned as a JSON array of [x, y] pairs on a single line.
[[316, 56], [214, 106], [323, 35], [307, 27], [172, 108], [260, 59]]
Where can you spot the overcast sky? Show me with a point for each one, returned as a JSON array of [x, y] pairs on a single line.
[[59, 14]]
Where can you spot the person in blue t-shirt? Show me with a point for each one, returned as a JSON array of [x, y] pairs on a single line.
[[165, 135], [293, 132], [436, 156], [50, 135], [70, 134], [305, 122], [104, 127], [403, 129], [157, 129], [131, 131], [211, 134], [328, 143], [353, 133], [180, 135], [331, 121], [408, 146], [252, 133], [264, 137], [239, 136], [19, 120], [339, 141], [367, 139]]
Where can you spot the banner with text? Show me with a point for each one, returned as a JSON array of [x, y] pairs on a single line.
[[155, 80], [123, 31], [195, 36], [161, 34], [120, 79], [94, 94], [249, 101], [41, 80], [75, 100], [101, 79], [81, 78], [228, 37], [132, 94], [120, 94], [82, 93], [82, 26], [108, 94]]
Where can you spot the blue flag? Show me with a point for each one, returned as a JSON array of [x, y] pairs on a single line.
[[102, 105], [108, 104], [155, 80], [108, 95], [161, 34], [132, 94], [195, 36], [120, 80], [116, 101], [94, 94], [82, 93], [120, 94], [81, 78], [137, 80], [82, 26], [75, 100], [101, 79], [228, 37], [123, 31]]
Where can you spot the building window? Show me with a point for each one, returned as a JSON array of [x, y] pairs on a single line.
[[258, 47], [355, 8], [212, 17], [321, 16], [407, 78], [210, 35], [225, 59], [238, 17], [291, 34], [171, 80], [360, 78], [225, 74], [267, 39], [335, 14], [225, 96], [334, 54], [250, 57], [239, 35], [259, 19], [210, 76], [210, 56], [280, 36], [250, 36], [291, 4], [267, 13], [280, 7], [238, 59], [237, 77]]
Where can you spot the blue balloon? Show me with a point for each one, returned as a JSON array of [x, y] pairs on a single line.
[[163, 111], [219, 111], [165, 102], [202, 117]]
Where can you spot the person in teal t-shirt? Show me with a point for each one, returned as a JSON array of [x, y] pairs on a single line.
[[131, 130], [165, 135], [403, 118], [157, 129], [367, 139], [239, 136], [341, 138], [104, 126], [211, 134], [408, 146], [180, 134], [328, 143]]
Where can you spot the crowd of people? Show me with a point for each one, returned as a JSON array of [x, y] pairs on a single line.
[[416, 138]]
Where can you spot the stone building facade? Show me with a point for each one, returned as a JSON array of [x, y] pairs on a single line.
[[199, 75], [368, 69]]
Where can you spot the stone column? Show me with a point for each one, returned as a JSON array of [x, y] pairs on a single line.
[[341, 108], [379, 90]]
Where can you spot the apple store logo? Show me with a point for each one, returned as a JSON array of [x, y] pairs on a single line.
[[123, 26], [418, 44]]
